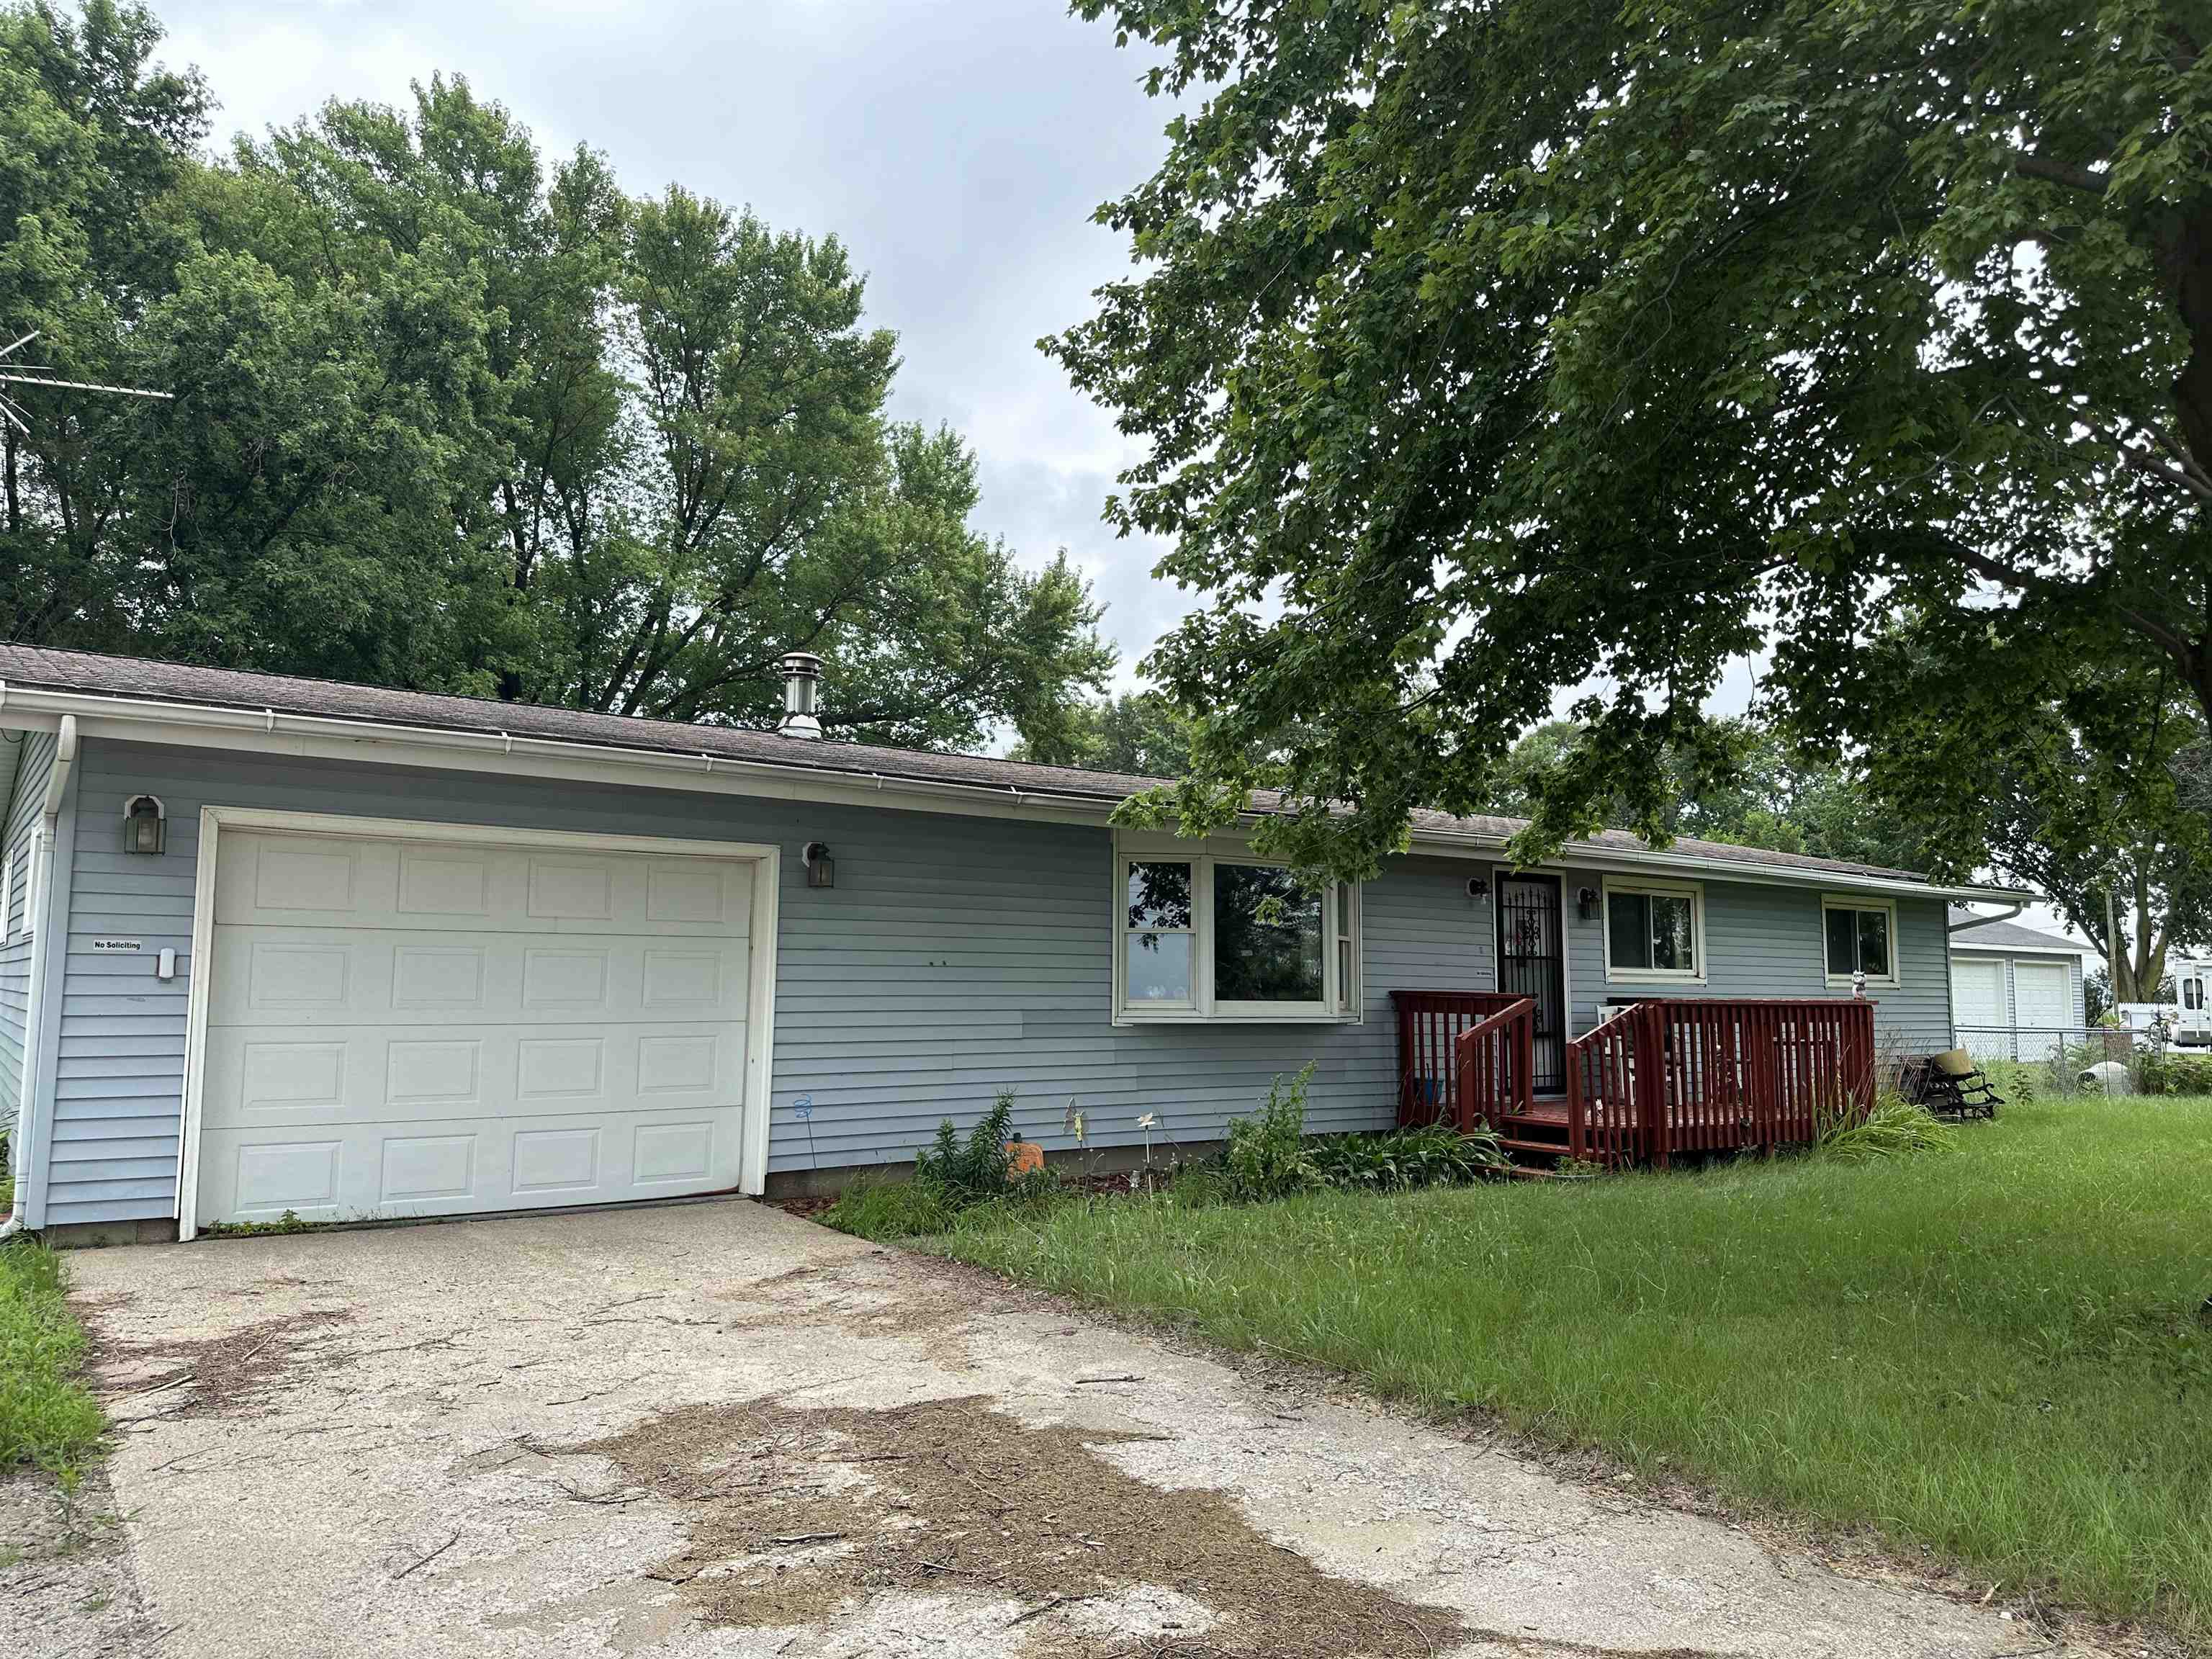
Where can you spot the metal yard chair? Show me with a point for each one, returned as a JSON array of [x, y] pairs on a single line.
[[1950, 1084]]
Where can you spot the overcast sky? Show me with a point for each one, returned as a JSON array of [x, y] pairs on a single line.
[[956, 149]]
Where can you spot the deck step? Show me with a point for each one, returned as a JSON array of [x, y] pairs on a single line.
[[1534, 1148], [1549, 1135]]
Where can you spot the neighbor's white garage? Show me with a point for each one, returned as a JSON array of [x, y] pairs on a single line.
[[398, 1026]]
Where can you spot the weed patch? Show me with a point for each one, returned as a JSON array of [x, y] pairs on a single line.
[[47, 1416], [1894, 1128]]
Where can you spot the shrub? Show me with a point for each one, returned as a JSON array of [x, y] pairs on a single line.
[[1894, 1128], [954, 1181], [977, 1168], [2170, 1073], [1266, 1156], [1431, 1156]]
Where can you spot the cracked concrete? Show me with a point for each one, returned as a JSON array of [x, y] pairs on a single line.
[[532, 1437]]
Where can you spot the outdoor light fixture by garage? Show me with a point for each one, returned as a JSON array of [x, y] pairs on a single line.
[[145, 825], [821, 868]]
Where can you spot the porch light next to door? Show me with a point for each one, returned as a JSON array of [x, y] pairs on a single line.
[[145, 825]]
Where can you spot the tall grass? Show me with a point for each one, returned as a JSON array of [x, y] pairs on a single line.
[[2003, 1354], [46, 1417]]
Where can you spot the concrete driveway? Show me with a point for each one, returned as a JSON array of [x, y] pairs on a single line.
[[716, 1429]]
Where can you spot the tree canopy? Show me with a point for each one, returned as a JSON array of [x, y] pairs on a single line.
[[1772, 796], [452, 415], [1483, 351]]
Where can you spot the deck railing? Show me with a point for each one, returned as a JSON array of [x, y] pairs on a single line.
[[1602, 1067], [1430, 1026], [1682, 1074], [1496, 1066]]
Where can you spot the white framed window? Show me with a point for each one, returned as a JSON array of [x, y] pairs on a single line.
[[1858, 935], [18, 898], [1202, 934], [1655, 933]]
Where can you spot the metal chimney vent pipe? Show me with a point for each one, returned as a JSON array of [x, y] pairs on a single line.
[[802, 695]]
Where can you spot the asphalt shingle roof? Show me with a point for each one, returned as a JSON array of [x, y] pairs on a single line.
[[87, 673], [1994, 935]]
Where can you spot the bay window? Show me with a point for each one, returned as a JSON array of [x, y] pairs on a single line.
[[1207, 935]]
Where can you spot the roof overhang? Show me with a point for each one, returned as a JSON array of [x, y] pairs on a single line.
[[275, 732]]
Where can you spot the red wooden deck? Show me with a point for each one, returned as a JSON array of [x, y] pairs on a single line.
[[1664, 1078]]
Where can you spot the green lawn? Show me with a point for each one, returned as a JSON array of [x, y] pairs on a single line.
[[46, 1417], [2003, 1353]]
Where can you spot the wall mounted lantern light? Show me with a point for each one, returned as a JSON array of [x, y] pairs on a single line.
[[821, 868], [1586, 904], [145, 825], [1478, 887]]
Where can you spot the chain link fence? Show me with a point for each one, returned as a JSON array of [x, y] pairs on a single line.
[[2041, 1061]]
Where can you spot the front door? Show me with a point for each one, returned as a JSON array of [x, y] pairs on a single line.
[[1532, 962]]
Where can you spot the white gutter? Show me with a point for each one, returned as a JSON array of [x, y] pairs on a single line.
[[30, 1174], [269, 721]]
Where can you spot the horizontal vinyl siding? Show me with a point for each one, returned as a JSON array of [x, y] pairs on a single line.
[[1767, 941], [956, 957], [30, 756]]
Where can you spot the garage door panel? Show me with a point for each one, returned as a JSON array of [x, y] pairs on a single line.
[[410, 1073], [416, 1028], [307, 881], [336, 975], [464, 1164]]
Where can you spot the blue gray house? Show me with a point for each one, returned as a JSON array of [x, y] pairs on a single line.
[[281, 945]]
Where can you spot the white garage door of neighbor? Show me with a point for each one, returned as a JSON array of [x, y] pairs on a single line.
[[2041, 993], [401, 1028], [1978, 996]]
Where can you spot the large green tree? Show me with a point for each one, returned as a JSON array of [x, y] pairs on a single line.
[[449, 416], [1769, 795], [1484, 351], [2075, 783], [1139, 732]]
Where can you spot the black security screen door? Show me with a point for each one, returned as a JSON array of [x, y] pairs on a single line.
[[1532, 962]]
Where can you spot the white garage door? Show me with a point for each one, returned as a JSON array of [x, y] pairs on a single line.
[[1977, 997], [401, 1027], [2040, 997]]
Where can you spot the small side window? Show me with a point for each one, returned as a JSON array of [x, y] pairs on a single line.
[[1860, 939]]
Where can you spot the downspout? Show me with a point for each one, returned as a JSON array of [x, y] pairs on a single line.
[[1975, 921], [27, 1127]]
